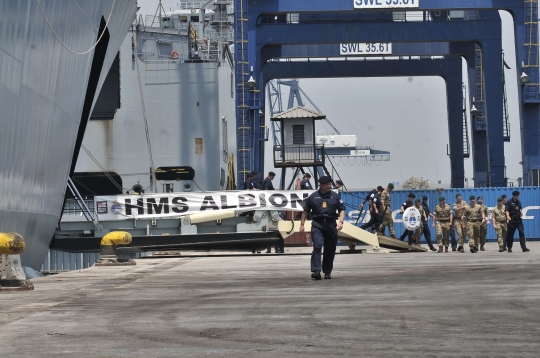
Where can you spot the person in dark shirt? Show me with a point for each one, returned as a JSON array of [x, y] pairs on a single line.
[[267, 184], [339, 185], [425, 223], [404, 207], [374, 211], [379, 190], [248, 184], [255, 181], [305, 184], [513, 217], [324, 206]]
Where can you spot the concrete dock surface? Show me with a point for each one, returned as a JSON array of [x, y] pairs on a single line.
[[376, 305]]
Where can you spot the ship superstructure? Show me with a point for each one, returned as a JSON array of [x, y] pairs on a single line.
[[170, 125]]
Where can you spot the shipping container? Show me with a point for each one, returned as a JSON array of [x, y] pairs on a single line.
[[529, 197]]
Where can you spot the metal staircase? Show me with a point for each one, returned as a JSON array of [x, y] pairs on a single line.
[[479, 100], [466, 142], [243, 125], [506, 114], [530, 63]]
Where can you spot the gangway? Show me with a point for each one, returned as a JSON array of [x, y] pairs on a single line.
[[209, 220]]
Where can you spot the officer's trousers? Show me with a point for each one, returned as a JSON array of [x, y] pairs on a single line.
[[427, 234], [514, 224], [323, 234], [373, 223]]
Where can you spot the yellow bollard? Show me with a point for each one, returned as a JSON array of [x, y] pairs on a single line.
[[107, 251], [12, 277]]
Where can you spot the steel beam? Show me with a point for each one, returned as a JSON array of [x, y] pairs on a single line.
[[487, 32], [449, 68]]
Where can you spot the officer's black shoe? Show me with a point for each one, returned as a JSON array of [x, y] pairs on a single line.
[[526, 250], [432, 248], [509, 250], [316, 275], [327, 276]]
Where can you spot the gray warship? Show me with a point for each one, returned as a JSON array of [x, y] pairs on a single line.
[[54, 58], [167, 108]]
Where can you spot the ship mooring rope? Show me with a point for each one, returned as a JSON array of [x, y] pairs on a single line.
[[67, 48]]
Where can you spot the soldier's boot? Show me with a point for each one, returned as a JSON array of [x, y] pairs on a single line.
[[393, 236], [472, 249], [446, 249], [475, 248], [501, 249], [440, 249], [461, 249], [482, 248]]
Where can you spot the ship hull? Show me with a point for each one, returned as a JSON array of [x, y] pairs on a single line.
[[45, 93]]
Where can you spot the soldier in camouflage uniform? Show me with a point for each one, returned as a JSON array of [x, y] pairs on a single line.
[[418, 232], [459, 210], [442, 217], [474, 216], [499, 222], [483, 226], [387, 212]]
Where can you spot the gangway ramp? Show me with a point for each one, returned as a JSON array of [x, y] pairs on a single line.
[[351, 235]]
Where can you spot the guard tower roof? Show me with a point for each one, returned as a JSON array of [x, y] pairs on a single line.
[[298, 112]]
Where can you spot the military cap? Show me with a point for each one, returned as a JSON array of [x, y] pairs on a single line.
[[411, 195], [458, 194], [254, 173], [472, 197], [424, 198], [441, 198], [308, 175], [499, 199], [380, 188], [325, 180], [514, 193], [339, 182], [271, 174], [391, 186], [249, 175], [417, 200]]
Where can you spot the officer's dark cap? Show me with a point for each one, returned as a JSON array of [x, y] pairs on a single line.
[[391, 186], [503, 196], [424, 198], [254, 173], [271, 174], [250, 175], [325, 180], [499, 199], [514, 193], [479, 198], [339, 182], [380, 188], [472, 197], [308, 175], [411, 195]]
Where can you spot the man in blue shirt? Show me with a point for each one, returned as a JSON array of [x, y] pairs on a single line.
[[425, 223], [267, 184], [248, 184], [324, 206], [305, 184], [513, 217]]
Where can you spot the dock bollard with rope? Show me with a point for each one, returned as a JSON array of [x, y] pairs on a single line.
[[107, 250], [12, 277]]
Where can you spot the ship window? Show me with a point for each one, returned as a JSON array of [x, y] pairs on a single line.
[[536, 177], [194, 19], [182, 18], [224, 139], [298, 134], [175, 173]]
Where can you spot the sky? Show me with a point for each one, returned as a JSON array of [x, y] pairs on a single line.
[[406, 116]]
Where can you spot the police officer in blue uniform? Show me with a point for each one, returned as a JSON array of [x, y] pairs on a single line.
[[425, 223], [305, 184], [324, 206], [513, 217], [248, 184], [404, 207], [254, 180], [267, 184]]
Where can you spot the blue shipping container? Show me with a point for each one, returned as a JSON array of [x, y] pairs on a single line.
[[529, 197]]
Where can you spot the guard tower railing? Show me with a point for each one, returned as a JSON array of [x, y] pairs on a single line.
[[298, 155]]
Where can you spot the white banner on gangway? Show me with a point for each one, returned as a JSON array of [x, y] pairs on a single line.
[[123, 207]]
